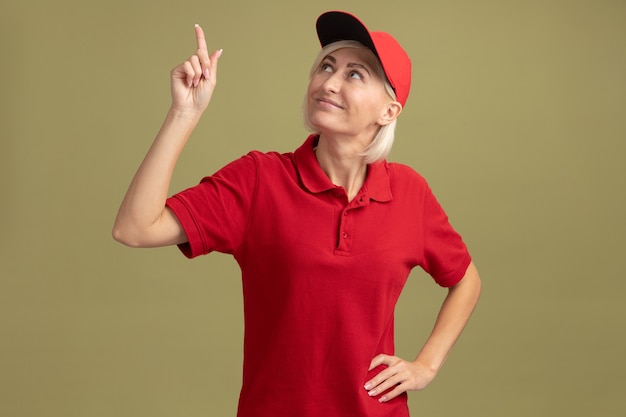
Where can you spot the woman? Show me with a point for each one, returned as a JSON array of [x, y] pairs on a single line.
[[325, 236]]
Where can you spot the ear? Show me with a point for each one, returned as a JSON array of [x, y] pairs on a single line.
[[391, 111]]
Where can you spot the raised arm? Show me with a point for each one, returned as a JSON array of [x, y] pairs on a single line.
[[142, 219]]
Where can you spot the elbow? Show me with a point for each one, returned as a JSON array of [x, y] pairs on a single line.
[[122, 235], [119, 236]]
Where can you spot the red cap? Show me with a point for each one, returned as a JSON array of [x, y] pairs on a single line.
[[337, 26]]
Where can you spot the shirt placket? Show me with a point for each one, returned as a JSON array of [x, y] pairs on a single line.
[[346, 224]]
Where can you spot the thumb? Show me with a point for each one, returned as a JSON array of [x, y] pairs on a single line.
[[211, 70], [378, 360]]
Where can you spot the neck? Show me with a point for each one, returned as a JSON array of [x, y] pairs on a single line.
[[343, 165]]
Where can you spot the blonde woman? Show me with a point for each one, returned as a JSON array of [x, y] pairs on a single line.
[[325, 236]]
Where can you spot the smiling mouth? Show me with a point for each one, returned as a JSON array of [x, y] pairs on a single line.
[[330, 102]]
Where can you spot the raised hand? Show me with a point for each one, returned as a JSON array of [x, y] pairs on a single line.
[[143, 220], [193, 81]]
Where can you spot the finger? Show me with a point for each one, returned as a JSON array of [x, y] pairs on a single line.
[[211, 68], [381, 359], [200, 39], [378, 381], [208, 63], [382, 383], [189, 73], [197, 69], [202, 53], [392, 394]]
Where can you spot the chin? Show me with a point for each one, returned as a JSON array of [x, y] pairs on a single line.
[[322, 122]]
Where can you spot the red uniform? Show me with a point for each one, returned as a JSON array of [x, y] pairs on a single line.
[[321, 275]]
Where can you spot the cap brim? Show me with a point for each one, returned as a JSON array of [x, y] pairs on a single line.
[[339, 26]]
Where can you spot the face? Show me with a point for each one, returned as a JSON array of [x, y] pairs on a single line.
[[346, 95]]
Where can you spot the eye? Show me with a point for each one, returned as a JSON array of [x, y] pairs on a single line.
[[356, 75], [325, 67]]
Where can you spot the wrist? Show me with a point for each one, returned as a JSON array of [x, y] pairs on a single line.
[[430, 366], [184, 114]]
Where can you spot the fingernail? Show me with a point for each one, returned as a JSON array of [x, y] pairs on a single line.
[[383, 399], [368, 386], [206, 73], [372, 393]]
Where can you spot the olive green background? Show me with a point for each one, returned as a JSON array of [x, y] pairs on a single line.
[[516, 118]]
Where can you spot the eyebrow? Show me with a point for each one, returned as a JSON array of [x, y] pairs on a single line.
[[350, 64], [354, 64]]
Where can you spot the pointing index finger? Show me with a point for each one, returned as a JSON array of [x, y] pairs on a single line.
[[200, 38]]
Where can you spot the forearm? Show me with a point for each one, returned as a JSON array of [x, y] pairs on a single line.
[[144, 203], [453, 316]]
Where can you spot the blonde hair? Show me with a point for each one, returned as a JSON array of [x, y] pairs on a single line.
[[381, 145]]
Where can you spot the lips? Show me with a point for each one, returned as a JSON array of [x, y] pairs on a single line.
[[326, 100]]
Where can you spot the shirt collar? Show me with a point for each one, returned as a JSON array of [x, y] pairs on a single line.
[[314, 179]]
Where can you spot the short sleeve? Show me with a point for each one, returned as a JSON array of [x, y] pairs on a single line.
[[445, 257], [215, 212]]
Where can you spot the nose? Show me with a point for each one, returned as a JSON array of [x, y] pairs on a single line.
[[332, 84]]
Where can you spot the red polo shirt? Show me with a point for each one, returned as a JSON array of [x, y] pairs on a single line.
[[321, 275]]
